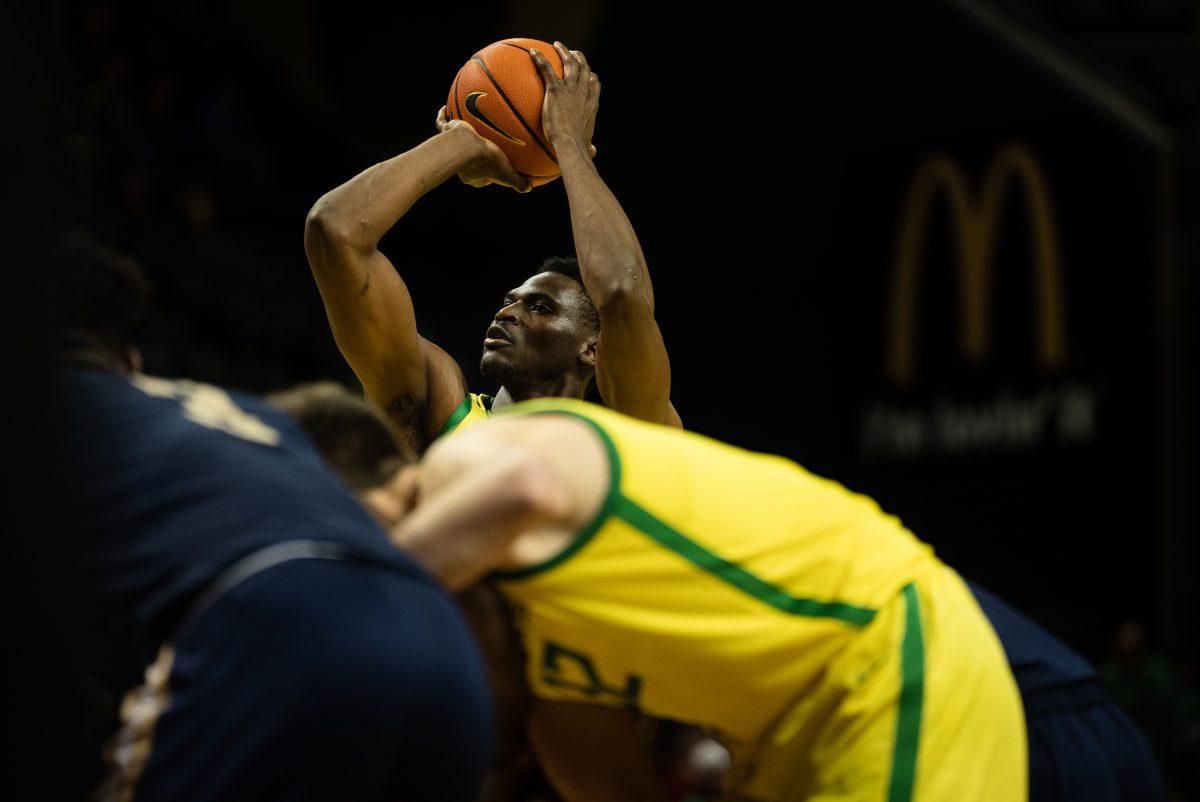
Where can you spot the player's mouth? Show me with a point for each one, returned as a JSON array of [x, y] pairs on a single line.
[[496, 338]]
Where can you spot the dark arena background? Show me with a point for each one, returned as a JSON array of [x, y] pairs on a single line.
[[943, 252]]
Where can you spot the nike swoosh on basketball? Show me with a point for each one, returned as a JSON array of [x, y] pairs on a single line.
[[472, 104]]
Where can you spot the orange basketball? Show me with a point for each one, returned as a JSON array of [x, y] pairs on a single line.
[[500, 92]]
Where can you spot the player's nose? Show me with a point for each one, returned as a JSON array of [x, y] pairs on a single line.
[[508, 313]]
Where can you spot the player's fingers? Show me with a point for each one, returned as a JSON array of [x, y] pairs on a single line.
[[592, 150], [543, 65], [509, 177], [502, 171], [442, 119], [570, 65], [521, 185], [582, 59], [594, 85]]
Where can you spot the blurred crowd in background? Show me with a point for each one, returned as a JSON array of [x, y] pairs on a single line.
[[175, 159]]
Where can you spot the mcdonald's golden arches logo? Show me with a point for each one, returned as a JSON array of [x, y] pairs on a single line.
[[975, 223]]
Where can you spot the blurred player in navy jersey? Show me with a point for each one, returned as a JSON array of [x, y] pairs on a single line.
[[1081, 744], [285, 649]]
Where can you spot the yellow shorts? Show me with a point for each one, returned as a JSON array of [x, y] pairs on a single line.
[[922, 708]]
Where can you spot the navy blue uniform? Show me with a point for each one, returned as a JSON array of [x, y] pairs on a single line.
[[1081, 745], [291, 652]]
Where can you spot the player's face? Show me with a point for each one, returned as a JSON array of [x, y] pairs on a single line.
[[539, 331]]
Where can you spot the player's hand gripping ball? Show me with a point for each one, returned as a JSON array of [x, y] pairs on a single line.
[[500, 92]]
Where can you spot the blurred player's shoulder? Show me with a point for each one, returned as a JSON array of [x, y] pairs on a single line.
[[102, 405], [144, 451]]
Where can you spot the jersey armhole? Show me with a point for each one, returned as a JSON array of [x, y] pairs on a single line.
[[456, 417], [607, 507]]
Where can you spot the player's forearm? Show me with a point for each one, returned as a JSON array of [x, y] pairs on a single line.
[[359, 212], [610, 256]]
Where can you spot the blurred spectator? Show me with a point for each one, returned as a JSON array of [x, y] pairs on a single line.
[[1142, 682], [172, 148], [1163, 701]]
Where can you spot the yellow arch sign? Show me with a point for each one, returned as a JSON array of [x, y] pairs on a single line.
[[975, 222]]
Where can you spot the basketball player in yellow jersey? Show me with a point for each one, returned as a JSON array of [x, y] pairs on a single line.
[[545, 339], [657, 570]]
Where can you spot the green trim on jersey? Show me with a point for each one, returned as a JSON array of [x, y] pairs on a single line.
[[734, 574], [456, 417], [912, 693], [463, 410], [602, 515], [621, 506]]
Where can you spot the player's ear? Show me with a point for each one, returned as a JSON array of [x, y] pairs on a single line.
[[391, 502], [587, 354], [131, 360], [407, 487]]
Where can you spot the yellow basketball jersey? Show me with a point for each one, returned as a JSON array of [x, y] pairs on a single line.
[[713, 586], [475, 408]]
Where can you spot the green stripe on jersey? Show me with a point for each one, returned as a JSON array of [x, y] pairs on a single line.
[[912, 695], [734, 574], [598, 520], [621, 506], [456, 417]]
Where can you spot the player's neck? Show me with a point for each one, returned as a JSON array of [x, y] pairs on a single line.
[[562, 387]]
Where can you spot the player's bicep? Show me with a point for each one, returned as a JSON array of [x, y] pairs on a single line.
[[633, 372], [371, 315]]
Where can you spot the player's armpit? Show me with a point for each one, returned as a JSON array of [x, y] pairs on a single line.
[[446, 387], [593, 753]]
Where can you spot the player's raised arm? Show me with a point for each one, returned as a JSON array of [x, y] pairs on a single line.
[[633, 373], [368, 305]]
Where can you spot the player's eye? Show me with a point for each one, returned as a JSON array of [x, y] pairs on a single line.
[[540, 308]]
